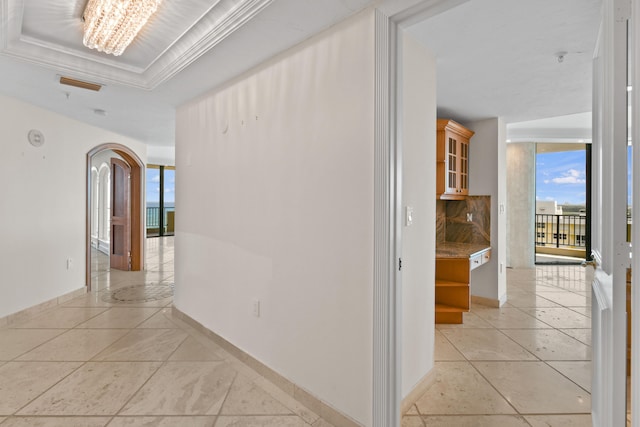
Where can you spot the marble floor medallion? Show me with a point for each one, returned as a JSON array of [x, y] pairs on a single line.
[[139, 293]]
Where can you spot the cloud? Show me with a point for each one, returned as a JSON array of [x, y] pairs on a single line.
[[573, 176]]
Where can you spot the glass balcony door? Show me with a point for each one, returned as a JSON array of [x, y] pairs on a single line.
[[160, 197]]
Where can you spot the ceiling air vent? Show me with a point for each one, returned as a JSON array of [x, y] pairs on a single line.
[[79, 83]]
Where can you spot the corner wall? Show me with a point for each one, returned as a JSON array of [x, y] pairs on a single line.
[[488, 173], [276, 198], [418, 191], [43, 203]]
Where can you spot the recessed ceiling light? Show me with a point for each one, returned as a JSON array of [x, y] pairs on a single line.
[[560, 56]]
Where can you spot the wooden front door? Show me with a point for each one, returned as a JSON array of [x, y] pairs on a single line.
[[120, 215]]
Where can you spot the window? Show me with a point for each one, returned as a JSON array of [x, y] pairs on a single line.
[[160, 195]]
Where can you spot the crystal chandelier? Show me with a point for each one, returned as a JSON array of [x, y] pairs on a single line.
[[110, 25]]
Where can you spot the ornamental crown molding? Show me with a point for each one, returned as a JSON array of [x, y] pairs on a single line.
[[50, 35]]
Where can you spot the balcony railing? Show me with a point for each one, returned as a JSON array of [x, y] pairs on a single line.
[[153, 220], [561, 231]]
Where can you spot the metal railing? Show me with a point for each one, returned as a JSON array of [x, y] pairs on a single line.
[[561, 231], [153, 220]]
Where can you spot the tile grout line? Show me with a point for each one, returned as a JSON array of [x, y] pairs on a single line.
[[479, 373], [537, 359], [134, 393], [52, 386]]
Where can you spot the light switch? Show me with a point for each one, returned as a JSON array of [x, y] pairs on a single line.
[[408, 219]]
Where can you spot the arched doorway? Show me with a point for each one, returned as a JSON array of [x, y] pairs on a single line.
[[136, 234]]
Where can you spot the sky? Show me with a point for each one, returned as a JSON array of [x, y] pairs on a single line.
[[153, 186], [561, 176]]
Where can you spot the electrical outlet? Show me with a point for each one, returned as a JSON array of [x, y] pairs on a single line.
[[256, 308], [69, 263]]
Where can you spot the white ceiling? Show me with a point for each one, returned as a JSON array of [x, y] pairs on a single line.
[[569, 128], [495, 57]]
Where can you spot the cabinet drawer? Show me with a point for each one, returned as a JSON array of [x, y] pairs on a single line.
[[479, 259], [475, 261]]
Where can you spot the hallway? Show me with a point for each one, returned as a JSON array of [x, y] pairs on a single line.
[[118, 357], [526, 364]]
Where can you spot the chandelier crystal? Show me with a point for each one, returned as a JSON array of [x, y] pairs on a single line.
[[111, 25]]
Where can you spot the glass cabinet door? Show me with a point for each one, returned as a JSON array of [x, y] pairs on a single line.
[[452, 165], [464, 168]]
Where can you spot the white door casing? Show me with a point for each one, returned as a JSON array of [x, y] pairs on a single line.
[[610, 248], [634, 81]]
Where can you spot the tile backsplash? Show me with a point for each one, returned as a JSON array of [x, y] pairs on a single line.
[[452, 224]]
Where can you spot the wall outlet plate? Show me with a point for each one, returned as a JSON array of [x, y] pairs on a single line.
[[408, 219]]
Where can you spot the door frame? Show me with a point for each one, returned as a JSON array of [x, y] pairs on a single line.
[[634, 81], [390, 19], [137, 217], [609, 245]]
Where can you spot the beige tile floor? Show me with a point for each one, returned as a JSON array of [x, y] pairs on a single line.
[[118, 357], [525, 364]]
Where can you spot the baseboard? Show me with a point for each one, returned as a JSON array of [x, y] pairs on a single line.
[[103, 246], [305, 398], [489, 302], [31, 312], [417, 392]]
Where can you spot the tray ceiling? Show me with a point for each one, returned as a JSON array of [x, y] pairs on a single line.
[[50, 34]]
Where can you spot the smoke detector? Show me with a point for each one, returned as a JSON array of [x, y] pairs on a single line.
[[36, 138]]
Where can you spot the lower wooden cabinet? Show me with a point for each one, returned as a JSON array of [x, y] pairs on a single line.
[[452, 289]]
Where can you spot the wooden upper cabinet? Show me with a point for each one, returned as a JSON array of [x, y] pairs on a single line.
[[452, 162]]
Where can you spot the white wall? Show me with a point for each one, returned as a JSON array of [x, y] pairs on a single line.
[[163, 156], [418, 191], [43, 203], [521, 189], [488, 176], [275, 191]]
